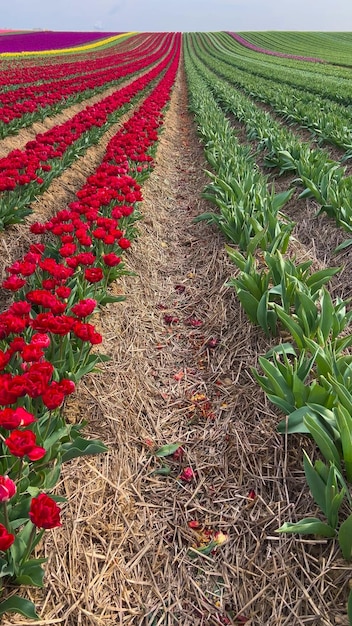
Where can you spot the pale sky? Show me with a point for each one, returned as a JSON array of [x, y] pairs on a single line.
[[177, 15]]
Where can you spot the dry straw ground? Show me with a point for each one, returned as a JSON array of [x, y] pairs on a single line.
[[122, 556]]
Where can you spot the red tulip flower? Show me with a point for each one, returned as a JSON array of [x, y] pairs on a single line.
[[23, 443], [44, 512]]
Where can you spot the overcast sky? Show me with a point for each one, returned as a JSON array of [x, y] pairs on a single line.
[[177, 15]]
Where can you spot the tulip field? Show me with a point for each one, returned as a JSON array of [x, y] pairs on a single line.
[[175, 328]]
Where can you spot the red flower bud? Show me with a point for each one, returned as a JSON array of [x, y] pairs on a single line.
[[6, 538], [7, 488]]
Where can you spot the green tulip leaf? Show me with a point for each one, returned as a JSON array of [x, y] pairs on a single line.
[[16, 604], [168, 449]]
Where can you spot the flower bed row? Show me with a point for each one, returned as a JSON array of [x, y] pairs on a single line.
[[46, 336], [26, 173], [49, 40], [22, 71], [62, 80], [320, 176], [321, 79], [26, 105]]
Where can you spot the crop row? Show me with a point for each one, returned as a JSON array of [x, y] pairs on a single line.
[[25, 71], [320, 176], [284, 55], [314, 79], [328, 121], [333, 47], [46, 336], [18, 91], [49, 40], [26, 173], [308, 377], [23, 107]]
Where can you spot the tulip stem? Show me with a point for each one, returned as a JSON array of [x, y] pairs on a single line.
[[20, 469], [29, 547], [47, 427], [6, 517]]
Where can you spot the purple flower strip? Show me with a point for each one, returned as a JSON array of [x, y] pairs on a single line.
[[48, 40], [251, 46]]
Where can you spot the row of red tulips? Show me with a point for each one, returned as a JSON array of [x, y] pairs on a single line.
[[55, 74], [48, 99], [23, 70], [45, 157], [46, 336]]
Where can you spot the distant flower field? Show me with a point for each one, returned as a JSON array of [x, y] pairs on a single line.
[[49, 40]]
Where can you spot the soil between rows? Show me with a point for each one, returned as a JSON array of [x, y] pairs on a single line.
[[122, 555]]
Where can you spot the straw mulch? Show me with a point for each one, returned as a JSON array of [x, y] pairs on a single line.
[[123, 553]]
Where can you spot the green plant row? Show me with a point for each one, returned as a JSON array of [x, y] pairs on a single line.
[[308, 378], [250, 214], [321, 177], [327, 69], [311, 78], [328, 121], [332, 47]]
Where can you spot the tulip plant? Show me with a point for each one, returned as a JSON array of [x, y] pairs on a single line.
[[321, 177]]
